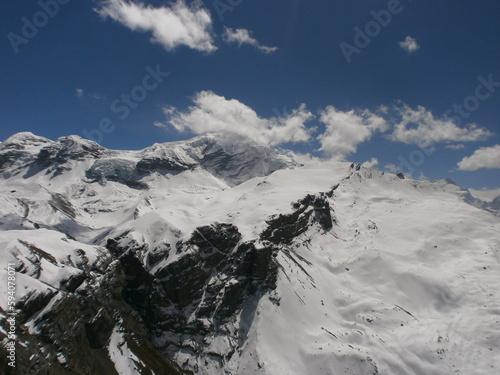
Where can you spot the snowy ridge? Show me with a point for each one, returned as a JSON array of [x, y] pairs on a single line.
[[219, 255]]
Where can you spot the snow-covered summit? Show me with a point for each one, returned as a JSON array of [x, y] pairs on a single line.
[[232, 157], [21, 140]]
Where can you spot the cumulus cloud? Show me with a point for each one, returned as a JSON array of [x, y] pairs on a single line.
[[373, 162], [171, 26], [346, 130], [420, 127], [485, 157], [410, 44], [242, 36], [212, 112], [343, 131]]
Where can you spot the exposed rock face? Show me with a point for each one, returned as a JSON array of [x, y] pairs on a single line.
[[201, 293], [151, 164], [69, 148], [124, 171], [206, 290], [234, 163], [285, 227], [72, 324]]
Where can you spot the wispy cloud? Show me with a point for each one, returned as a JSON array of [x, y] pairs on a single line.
[[212, 112], [422, 128], [346, 130], [410, 44], [80, 93], [485, 157], [455, 147], [243, 36], [171, 26]]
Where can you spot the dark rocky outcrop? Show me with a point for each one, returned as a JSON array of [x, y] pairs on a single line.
[[68, 148], [72, 336], [284, 228], [148, 165], [200, 293], [14, 150], [117, 170]]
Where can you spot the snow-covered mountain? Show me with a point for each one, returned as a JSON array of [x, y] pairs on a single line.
[[220, 256]]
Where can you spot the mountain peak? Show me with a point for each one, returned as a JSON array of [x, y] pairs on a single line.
[[233, 158], [21, 140]]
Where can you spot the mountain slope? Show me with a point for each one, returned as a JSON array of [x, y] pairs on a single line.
[[221, 256]]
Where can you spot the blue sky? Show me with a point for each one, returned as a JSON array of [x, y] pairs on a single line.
[[407, 85]]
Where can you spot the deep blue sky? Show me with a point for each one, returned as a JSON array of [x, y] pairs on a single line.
[[77, 49]]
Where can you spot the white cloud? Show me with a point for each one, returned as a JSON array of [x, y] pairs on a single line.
[[486, 195], [485, 157], [212, 112], [171, 26], [159, 124], [422, 177], [242, 36], [97, 96], [391, 168], [345, 130], [455, 147], [373, 162], [80, 93], [410, 44], [420, 127], [302, 158]]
